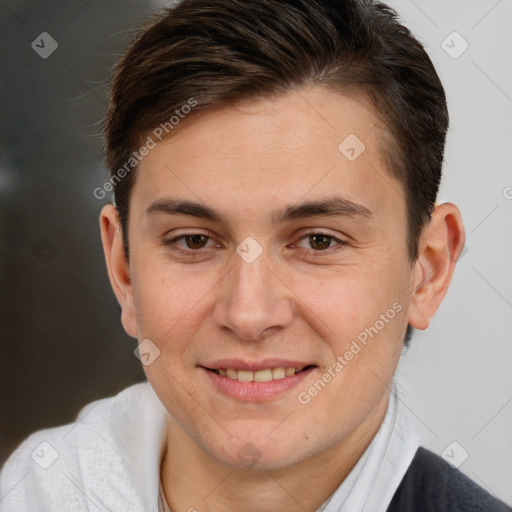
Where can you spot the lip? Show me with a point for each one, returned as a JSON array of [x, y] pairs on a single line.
[[254, 366], [256, 391]]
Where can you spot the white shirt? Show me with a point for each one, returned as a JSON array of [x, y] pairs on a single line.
[[109, 460]]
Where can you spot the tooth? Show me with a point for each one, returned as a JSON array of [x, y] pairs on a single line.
[[263, 375], [278, 373], [232, 374], [245, 376]]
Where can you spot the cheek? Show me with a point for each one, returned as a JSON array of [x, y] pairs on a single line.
[[347, 299], [358, 313], [169, 304]]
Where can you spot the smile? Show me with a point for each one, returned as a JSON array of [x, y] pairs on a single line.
[[254, 382], [265, 375]]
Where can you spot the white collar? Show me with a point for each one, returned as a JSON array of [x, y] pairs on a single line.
[[374, 479], [155, 440]]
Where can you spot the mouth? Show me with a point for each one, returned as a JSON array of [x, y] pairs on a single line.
[[253, 382], [264, 375]]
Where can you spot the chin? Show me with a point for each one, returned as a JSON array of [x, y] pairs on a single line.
[[260, 453], [251, 458]]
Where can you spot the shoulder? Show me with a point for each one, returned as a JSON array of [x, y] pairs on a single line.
[[432, 485], [71, 459]]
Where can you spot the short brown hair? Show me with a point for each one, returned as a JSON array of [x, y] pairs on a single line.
[[218, 52]]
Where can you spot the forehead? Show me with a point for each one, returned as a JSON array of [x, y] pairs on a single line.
[[306, 144]]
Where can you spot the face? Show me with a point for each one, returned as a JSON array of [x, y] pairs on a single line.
[[268, 266]]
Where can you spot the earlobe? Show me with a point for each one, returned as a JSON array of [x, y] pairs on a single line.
[[118, 267], [439, 249]]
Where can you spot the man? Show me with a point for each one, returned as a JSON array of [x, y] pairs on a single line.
[[274, 239]]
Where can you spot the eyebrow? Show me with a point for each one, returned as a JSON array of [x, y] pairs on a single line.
[[332, 206]]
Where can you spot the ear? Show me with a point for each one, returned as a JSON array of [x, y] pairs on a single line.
[[118, 267], [440, 246]]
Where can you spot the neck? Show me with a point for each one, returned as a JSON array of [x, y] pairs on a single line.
[[195, 481]]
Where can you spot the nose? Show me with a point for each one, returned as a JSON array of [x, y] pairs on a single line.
[[253, 301]]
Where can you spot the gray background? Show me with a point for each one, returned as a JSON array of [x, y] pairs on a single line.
[[457, 374], [62, 344]]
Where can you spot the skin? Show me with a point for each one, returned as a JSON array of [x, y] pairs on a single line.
[[296, 301]]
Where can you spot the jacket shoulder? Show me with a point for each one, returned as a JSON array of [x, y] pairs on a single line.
[[432, 485], [68, 459]]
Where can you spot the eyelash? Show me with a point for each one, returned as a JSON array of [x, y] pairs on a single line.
[[172, 243]]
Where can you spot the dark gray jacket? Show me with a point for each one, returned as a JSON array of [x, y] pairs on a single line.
[[432, 485]]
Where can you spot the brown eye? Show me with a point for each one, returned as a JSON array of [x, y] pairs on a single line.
[[196, 241], [192, 244], [320, 242]]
